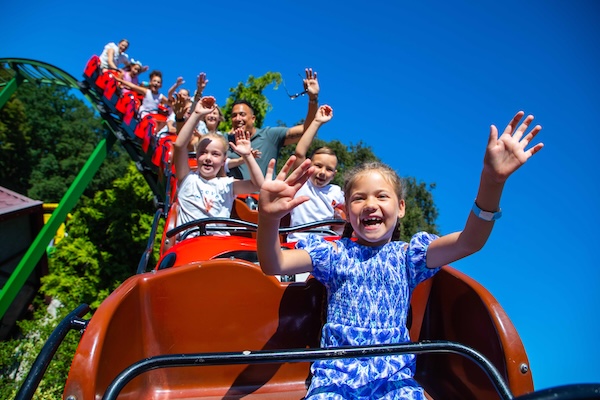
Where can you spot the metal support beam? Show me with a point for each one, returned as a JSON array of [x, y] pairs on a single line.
[[38, 247], [8, 91]]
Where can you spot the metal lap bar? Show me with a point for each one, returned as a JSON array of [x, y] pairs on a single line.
[[71, 321], [303, 355]]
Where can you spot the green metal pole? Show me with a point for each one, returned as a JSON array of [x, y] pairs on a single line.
[[8, 91], [38, 247]]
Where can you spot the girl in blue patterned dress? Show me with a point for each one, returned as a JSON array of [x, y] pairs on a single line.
[[370, 278]]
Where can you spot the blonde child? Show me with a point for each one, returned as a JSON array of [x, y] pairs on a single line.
[[369, 280], [202, 193]]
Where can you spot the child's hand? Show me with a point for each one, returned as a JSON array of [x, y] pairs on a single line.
[[505, 154], [339, 211], [276, 197], [324, 114], [180, 81], [242, 144], [180, 106], [201, 82], [205, 105], [311, 84]]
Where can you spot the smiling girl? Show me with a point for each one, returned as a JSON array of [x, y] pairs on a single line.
[[202, 193], [370, 277]]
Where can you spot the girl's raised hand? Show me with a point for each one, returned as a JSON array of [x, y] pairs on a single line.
[[201, 82], [276, 197], [324, 114], [205, 105], [505, 154], [242, 144]]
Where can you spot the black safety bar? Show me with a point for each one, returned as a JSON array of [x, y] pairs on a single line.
[[143, 264], [252, 227], [303, 355], [36, 373]]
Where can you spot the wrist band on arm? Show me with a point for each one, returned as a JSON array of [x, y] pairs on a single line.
[[226, 165], [486, 215]]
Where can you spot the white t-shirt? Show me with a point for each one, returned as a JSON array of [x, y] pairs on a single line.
[[150, 103], [199, 198], [119, 58], [165, 129], [319, 207]]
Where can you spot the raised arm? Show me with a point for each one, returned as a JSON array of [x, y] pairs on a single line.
[[503, 156], [243, 147], [201, 83], [324, 115], [173, 88], [275, 200], [132, 86], [180, 147], [311, 85]]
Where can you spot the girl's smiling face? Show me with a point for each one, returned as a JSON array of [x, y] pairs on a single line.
[[211, 155], [373, 208]]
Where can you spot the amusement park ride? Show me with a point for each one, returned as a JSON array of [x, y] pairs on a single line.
[[205, 322]]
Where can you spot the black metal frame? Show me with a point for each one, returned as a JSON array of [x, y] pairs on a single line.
[[303, 355], [37, 371], [248, 226]]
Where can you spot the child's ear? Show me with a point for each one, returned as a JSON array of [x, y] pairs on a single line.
[[401, 208]]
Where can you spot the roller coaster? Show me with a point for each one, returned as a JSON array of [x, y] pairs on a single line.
[[205, 322]]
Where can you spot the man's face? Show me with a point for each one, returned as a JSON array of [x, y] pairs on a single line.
[[242, 117]]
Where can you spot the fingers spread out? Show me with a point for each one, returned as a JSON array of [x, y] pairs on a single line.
[[510, 128], [286, 167], [310, 74], [270, 169], [300, 175], [241, 134]]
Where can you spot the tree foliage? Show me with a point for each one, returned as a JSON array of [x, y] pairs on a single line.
[[421, 212], [251, 91], [46, 136]]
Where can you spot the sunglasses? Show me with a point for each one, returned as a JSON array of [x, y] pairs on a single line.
[[295, 95]]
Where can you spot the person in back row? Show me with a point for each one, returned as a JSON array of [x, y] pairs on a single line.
[[268, 141], [152, 96], [326, 200], [202, 193], [113, 55]]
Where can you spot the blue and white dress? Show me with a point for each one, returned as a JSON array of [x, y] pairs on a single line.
[[368, 290]]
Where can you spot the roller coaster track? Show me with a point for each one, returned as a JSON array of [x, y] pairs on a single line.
[[15, 71]]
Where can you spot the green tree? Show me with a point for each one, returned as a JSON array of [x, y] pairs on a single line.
[[15, 139], [421, 212], [46, 136], [251, 91]]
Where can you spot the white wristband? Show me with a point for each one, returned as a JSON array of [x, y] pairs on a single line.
[[226, 165]]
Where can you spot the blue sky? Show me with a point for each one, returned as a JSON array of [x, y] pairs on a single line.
[[419, 82]]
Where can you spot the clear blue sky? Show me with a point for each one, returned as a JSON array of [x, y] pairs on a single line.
[[419, 82]]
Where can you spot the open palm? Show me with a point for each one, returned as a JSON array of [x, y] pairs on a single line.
[[507, 153]]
